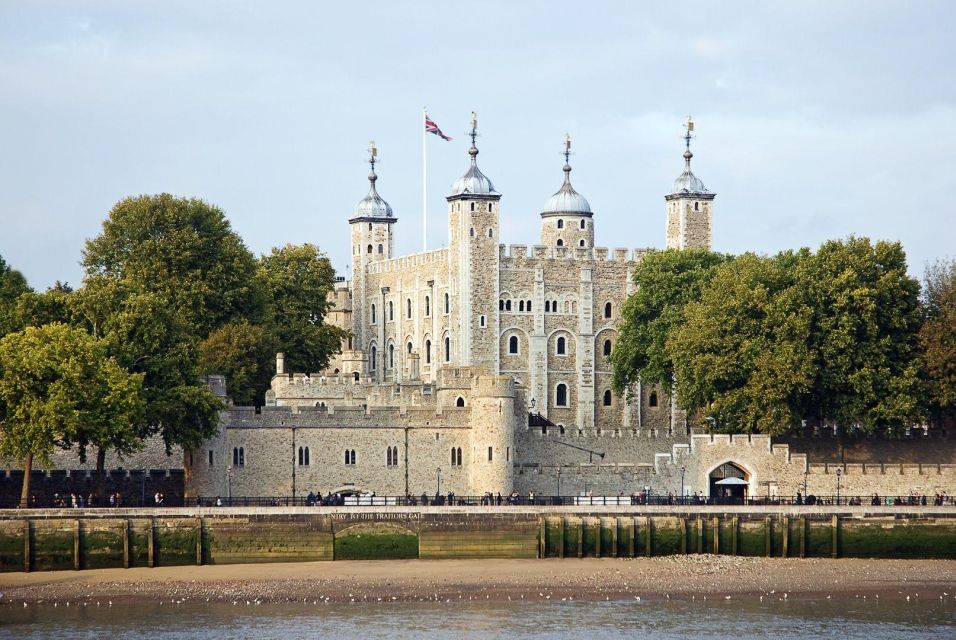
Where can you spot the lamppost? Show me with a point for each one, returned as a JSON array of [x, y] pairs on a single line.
[[293, 465], [839, 473], [533, 403], [559, 485], [682, 470], [806, 473], [229, 485], [437, 482], [144, 487]]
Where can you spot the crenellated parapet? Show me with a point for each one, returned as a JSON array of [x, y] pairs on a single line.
[[521, 252]]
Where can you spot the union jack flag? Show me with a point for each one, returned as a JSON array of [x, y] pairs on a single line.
[[431, 127]]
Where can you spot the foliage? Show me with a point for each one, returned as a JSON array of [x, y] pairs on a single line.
[[666, 281], [741, 353], [299, 279], [58, 387], [830, 335], [938, 336], [38, 309], [244, 353], [12, 286]]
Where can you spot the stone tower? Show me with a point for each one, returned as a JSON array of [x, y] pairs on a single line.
[[474, 265], [690, 207], [566, 220], [372, 240]]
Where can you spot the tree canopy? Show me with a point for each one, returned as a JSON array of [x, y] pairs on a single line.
[[12, 286], [938, 337], [666, 281], [58, 388]]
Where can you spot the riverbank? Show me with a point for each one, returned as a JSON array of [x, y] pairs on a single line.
[[673, 577]]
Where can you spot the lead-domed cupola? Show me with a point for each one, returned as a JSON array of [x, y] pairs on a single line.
[[372, 205], [474, 182], [566, 200]]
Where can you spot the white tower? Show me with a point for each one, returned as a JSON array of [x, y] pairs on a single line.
[[566, 220]]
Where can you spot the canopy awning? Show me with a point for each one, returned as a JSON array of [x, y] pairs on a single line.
[[732, 481]]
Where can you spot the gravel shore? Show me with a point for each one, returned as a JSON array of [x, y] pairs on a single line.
[[678, 577]]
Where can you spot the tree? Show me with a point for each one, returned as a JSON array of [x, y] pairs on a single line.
[[864, 335], [245, 354], [12, 286], [38, 309], [938, 337], [58, 387], [299, 280], [165, 273], [182, 250], [666, 281], [741, 353]]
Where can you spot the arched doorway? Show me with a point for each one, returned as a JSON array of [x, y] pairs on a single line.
[[728, 484]]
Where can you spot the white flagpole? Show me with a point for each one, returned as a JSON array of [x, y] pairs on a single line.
[[421, 124]]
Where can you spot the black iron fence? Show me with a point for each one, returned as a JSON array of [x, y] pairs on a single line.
[[513, 500]]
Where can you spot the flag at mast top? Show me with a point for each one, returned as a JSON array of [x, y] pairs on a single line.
[[431, 127]]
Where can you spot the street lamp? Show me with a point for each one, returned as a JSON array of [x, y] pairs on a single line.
[[293, 464], [839, 473], [437, 482], [559, 485], [144, 487], [682, 470]]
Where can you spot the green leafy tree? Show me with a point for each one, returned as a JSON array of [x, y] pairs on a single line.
[[244, 353], [864, 335], [58, 387], [741, 353], [938, 337], [299, 279], [12, 286], [666, 281], [165, 273], [38, 309]]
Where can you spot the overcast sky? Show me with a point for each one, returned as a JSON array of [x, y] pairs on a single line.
[[815, 120]]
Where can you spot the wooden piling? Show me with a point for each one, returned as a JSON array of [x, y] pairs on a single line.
[[76, 545]]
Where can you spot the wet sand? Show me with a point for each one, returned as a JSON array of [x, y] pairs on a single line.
[[678, 577]]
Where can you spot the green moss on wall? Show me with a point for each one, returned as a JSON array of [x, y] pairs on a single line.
[[752, 538], [667, 537], [897, 540], [11, 550], [819, 539], [174, 546], [386, 546], [101, 549], [52, 549]]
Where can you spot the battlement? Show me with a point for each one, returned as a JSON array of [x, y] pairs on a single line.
[[402, 263], [882, 469], [362, 417], [583, 254]]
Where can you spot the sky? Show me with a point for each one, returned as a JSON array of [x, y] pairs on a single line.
[[814, 120]]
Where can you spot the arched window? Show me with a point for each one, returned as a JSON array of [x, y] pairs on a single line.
[[460, 402], [547, 306], [306, 456], [607, 347], [391, 356], [561, 346], [408, 310], [583, 224], [560, 242], [391, 311], [355, 376], [581, 242], [471, 232], [380, 249], [607, 398], [428, 306], [513, 344], [353, 456], [458, 452], [652, 399], [501, 305], [374, 358], [696, 206], [507, 305], [490, 233], [521, 305], [607, 309], [454, 458], [350, 456], [561, 395], [350, 343], [408, 347], [527, 306], [369, 250], [373, 314], [447, 304], [238, 457], [560, 223], [447, 349], [428, 351]]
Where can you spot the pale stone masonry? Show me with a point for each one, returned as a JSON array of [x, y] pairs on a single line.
[[452, 350]]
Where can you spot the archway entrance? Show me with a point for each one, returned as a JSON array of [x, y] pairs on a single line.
[[728, 484]]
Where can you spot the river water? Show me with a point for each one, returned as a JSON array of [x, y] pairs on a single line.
[[736, 619]]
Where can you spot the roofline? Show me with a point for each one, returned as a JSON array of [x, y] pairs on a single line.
[[473, 196], [389, 219], [552, 214], [700, 195]]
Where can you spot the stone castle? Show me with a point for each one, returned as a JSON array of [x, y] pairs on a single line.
[[481, 367]]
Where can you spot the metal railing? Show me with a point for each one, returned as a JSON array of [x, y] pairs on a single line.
[[366, 500]]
